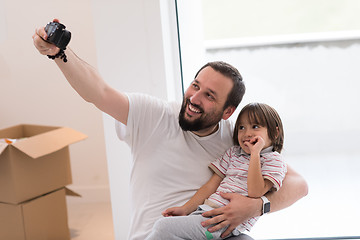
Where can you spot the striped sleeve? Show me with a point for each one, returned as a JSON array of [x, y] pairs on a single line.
[[274, 168], [221, 165]]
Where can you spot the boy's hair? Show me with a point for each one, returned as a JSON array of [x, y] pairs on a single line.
[[238, 90], [266, 116]]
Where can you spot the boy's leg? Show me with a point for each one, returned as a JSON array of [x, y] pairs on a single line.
[[181, 227], [242, 236]]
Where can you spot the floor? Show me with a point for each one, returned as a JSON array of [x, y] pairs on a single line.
[[90, 221]]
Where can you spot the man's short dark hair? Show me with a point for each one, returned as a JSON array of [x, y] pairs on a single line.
[[237, 92]]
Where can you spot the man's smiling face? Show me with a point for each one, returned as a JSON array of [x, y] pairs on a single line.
[[204, 100]]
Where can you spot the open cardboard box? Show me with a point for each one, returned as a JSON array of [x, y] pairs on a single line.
[[41, 218], [37, 163]]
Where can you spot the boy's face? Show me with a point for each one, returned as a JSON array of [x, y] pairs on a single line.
[[249, 133], [204, 100]]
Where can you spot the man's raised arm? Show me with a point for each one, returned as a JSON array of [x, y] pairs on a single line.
[[85, 79]]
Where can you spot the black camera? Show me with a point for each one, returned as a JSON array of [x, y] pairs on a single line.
[[57, 34]]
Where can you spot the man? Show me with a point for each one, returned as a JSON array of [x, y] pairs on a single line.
[[172, 144]]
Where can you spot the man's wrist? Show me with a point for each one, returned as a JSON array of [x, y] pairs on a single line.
[[265, 205], [259, 205], [61, 54]]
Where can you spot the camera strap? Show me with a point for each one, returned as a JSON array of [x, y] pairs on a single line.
[[61, 54]]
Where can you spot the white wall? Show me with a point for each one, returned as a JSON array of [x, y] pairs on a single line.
[[137, 52], [33, 90], [134, 45]]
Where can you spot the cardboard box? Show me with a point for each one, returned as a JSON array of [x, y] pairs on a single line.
[[41, 218], [37, 163]]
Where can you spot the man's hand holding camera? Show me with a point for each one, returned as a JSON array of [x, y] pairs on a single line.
[[52, 40]]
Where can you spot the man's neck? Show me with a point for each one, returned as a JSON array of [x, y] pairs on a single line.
[[207, 131]]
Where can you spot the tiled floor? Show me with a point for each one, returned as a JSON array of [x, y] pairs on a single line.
[[90, 221]]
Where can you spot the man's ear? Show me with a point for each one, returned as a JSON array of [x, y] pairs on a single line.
[[228, 112]]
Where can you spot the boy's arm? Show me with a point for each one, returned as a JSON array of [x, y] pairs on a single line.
[[199, 197], [241, 208], [85, 80], [257, 185]]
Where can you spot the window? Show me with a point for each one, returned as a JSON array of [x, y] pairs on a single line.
[[301, 58]]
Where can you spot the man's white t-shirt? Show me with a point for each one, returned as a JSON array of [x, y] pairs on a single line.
[[169, 164]]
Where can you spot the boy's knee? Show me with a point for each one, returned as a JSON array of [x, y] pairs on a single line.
[[162, 229], [161, 225]]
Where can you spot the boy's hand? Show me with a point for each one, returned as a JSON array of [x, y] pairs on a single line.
[[174, 211], [256, 144]]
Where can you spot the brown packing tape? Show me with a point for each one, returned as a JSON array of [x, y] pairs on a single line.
[[48, 142]]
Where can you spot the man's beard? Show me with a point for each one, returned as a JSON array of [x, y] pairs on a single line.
[[206, 120]]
